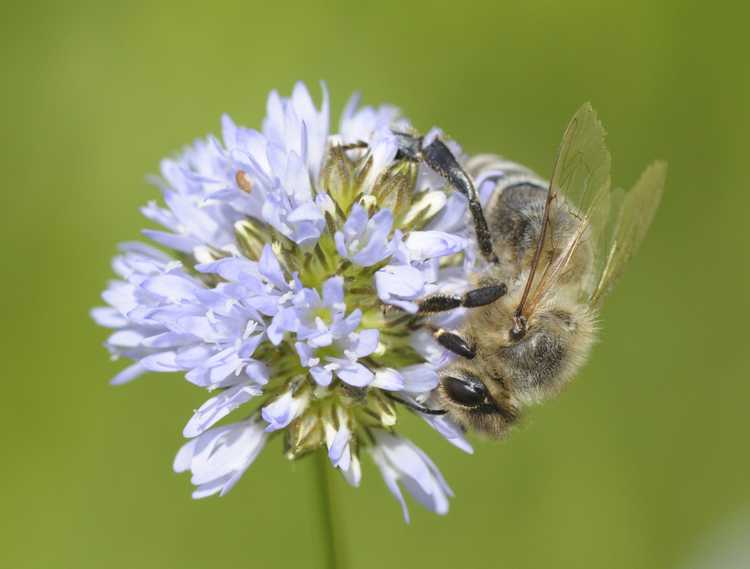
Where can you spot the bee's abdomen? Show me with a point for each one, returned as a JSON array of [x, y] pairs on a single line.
[[514, 210], [515, 215], [514, 207]]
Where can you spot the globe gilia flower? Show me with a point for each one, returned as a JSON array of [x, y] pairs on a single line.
[[290, 262]]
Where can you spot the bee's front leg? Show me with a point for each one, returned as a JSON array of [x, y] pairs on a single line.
[[455, 343]]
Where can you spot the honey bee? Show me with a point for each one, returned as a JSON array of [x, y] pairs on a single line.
[[551, 251]]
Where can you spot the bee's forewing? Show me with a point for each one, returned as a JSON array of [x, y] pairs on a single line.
[[580, 184]]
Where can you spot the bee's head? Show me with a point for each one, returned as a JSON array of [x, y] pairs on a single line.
[[483, 392], [472, 405]]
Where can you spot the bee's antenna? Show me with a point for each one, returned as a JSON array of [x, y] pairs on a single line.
[[415, 406]]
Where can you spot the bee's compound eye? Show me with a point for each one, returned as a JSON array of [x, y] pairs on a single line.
[[465, 392]]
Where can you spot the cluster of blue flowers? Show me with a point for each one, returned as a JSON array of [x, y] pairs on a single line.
[[296, 257]]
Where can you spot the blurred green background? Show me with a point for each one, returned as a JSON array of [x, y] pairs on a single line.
[[641, 463]]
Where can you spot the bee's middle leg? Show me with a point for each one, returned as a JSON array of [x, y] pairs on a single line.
[[477, 297]]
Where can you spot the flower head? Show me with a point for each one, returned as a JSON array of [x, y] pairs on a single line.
[[295, 261]]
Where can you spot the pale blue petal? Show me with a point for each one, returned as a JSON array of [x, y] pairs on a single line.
[[284, 321], [321, 375], [128, 374], [219, 407], [342, 327], [172, 241], [333, 293], [399, 282], [376, 248], [305, 353], [356, 222], [270, 268], [419, 378], [355, 374], [338, 448], [340, 241], [429, 244], [450, 430], [308, 211], [282, 411], [171, 287], [367, 342], [388, 379], [108, 317], [163, 361]]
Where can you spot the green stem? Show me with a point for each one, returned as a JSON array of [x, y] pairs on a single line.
[[328, 512]]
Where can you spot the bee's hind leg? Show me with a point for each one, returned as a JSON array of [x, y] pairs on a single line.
[[439, 157], [477, 297]]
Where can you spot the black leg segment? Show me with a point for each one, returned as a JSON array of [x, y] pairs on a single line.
[[472, 299], [439, 303], [439, 157], [455, 343], [415, 406], [484, 296]]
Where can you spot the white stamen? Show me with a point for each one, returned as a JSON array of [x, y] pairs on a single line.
[[286, 296], [249, 329]]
